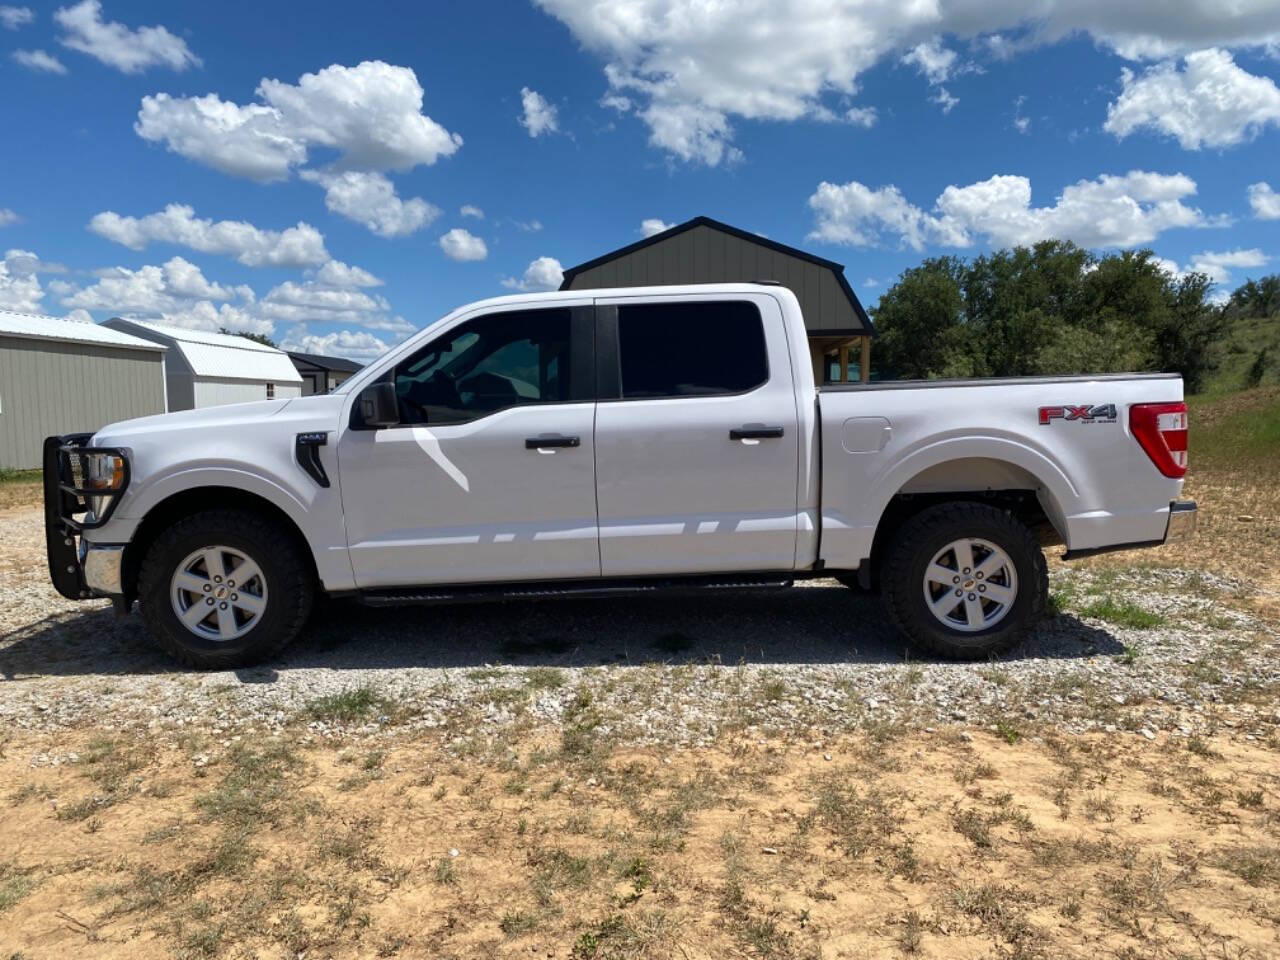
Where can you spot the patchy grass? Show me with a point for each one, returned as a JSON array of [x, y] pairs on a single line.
[[1122, 613], [349, 706]]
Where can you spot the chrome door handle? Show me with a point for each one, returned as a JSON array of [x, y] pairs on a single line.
[[755, 431], [550, 441]]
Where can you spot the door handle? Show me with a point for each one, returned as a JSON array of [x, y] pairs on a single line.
[[755, 431], [550, 441]]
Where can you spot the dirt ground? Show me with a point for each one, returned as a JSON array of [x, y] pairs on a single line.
[[947, 844]]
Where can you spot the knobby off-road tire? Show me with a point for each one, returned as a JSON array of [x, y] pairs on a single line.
[[196, 560], [930, 548]]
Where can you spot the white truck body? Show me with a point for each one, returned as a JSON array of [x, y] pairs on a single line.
[[650, 487]]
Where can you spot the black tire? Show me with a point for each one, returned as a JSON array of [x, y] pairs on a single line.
[[913, 549], [290, 593]]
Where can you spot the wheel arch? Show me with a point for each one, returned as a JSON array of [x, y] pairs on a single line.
[[197, 500]]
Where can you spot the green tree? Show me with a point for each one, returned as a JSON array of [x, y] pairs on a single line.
[[920, 321], [261, 338]]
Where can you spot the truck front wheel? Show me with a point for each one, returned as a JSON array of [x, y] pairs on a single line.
[[965, 580], [224, 588]]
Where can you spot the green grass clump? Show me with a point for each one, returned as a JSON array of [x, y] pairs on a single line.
[[1122, 613], [349, 706]]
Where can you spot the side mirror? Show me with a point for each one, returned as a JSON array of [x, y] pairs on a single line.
[[376, 407]]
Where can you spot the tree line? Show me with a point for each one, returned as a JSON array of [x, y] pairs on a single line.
[[1057, 309]]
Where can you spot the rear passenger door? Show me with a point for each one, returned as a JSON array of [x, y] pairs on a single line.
[[696, 436]]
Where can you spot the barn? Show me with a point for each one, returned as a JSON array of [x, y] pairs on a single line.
[[703, 250], [206, 369], [70, 376]]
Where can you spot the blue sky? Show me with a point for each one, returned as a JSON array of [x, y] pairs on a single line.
[[269, 166]]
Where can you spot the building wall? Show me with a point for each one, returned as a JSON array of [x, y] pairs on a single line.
[[47, 388], [211, 393], [707, 255]]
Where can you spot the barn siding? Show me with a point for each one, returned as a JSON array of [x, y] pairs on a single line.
[[704, 254], [47, 388]]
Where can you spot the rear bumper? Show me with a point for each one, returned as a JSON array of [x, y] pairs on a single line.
[[1181, 525]]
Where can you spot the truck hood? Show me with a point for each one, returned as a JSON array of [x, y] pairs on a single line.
[[230, 416]]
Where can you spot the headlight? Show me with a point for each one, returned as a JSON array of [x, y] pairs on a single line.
[[104, 471]]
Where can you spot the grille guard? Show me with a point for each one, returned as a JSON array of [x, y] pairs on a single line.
[[66, 507]]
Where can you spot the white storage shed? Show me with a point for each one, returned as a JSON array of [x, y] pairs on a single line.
[[206, 369], [70, 376]]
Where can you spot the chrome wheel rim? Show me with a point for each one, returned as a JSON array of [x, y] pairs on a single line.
[[219, 593], [970, 585]]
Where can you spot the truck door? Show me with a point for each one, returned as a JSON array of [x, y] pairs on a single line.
[[696, 436], [491, 474]]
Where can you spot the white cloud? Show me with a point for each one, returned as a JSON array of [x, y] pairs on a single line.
[[19, 287], [944, 99], [469, 210], [1264, 201], [865, 117], [1021, 123], [459, 244], [1217, 266], [693, 66], [1112, 211], [932, 59], [297, 246], [370, 199], [653, 225], [314, 301], [540, 116], [149, 290], [335, 273], [527, 226], [8, 217], [1211, 102], [12, 18], [129, 51], [203, 315], [615, 101], [371, 114], [24, 261], [353, 344], [545, 273], [39, 60]]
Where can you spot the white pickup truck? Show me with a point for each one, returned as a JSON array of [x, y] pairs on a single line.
[[607, 441]]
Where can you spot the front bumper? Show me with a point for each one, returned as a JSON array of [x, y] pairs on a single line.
[[79, 570]]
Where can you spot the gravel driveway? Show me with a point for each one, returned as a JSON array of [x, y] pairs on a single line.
[[814, 660]]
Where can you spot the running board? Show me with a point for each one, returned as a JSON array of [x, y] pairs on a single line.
[[552, 590]]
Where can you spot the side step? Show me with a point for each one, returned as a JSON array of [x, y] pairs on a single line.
[[557, 589]]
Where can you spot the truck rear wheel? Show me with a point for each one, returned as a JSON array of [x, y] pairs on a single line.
[[224, 588], [965, 580]]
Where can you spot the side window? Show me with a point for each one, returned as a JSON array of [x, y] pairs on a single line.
[[487, 364], [690, 349]]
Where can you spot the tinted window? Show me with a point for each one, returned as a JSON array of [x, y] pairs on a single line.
[[690, 349], [487, 364]]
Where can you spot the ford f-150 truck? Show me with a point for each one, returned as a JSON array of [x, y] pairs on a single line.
[[607, 441]]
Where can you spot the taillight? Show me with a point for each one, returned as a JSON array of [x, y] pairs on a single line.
[[1161, 429]]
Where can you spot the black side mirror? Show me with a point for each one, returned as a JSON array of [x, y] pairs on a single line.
[[376, 407]]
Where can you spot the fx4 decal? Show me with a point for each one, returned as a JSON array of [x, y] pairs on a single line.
[[1086, 413]]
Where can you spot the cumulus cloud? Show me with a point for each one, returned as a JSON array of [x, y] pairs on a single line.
[[932, 59], [20, 288], [24, 261], [335, 273], [370, 199], [370, 114], [14, 18], [39, 61], [693, 67], [864, 117], [539, 115], [545, 273], [318, 302], [1210, 102], [297, 246], [1217, 266], [8, 217], [459, 244], [352, 344], [149, 290], [129, 51], [1264, 201], [1111, 211], [469, 210], [653, 226]]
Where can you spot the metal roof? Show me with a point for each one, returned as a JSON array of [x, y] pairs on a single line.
[[325, 363], [220, 355], [34, 327], [837, 269]]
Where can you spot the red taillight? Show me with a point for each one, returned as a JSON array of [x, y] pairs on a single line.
[[1161, 429]]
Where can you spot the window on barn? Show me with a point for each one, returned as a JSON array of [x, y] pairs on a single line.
[[271, 391]]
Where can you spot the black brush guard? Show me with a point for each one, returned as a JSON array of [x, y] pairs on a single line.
[[66, 507]]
